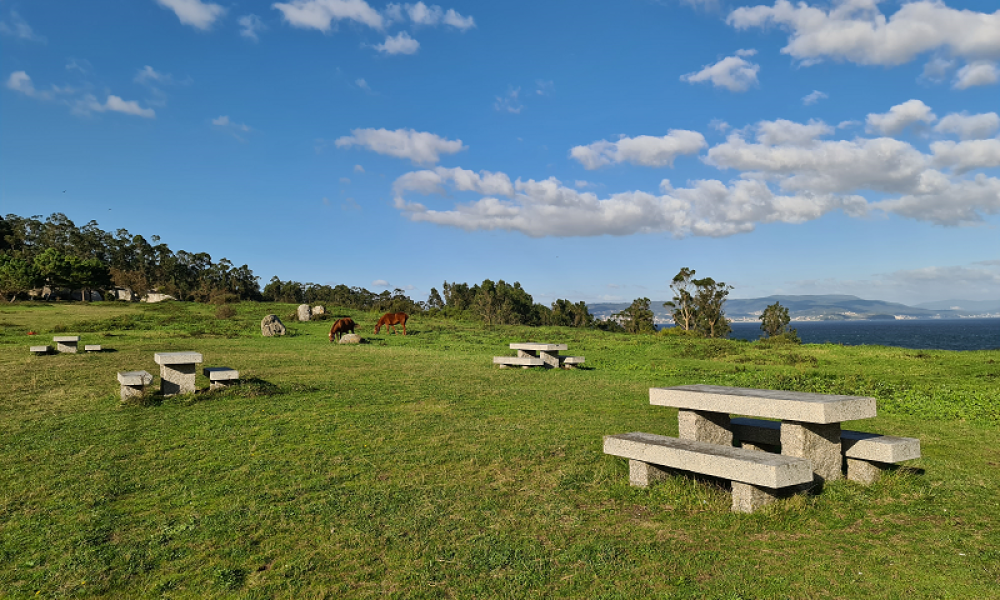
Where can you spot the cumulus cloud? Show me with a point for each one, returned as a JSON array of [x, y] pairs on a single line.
[[900, 117], [856, 31], [400, 43], [420, 147], [969, 127], [250, 26], [937, 69], [734, 73], [813, 97], [16, 27], [362, 84], [644, 150], [978, 73], [319, 14], [458, 21], [88, 104], [968, 155], [422, 14], [380, 283], [195, 13]]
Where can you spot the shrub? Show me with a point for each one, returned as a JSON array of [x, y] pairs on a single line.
[[225, 312]]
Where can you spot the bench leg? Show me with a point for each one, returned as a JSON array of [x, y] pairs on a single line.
[[748, 498], [819, 443], [866, 471], [702, 426], [65, 348], [551, 359], [132, 391], [641, 474]]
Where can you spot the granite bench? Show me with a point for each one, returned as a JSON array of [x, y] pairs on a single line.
[[524, 362], [867, 455], [133, 383], [93, 348], [66, 343], [221, 377], [177, 371], [757, 478], [40, 350]]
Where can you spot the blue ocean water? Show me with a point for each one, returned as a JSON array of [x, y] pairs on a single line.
[[936, 334]]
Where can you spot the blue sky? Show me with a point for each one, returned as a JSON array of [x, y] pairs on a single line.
[[588, 150]]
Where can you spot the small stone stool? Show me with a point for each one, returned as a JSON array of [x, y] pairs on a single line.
[[133, 383], [221, 377], [66, 343], [177, 371], [92, 348], [40, 350]]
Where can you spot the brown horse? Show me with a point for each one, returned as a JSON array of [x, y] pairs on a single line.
[[342, 326], [391, 320]]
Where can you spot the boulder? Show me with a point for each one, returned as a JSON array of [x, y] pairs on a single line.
[[152, 297], [304, 312], [319, 309], [271, 325], [350, 338]]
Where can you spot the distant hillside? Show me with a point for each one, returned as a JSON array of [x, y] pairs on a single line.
[[975, 306], [822, 308]]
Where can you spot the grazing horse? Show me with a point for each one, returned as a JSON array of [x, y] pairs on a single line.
[[342, 326], [391, 320]]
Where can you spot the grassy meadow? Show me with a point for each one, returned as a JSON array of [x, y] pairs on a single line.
[[410, 467]]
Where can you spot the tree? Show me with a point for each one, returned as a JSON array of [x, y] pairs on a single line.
[[434, 300], [17, 275], [774, 320], [683, 304], [637, 318], [710, 316]]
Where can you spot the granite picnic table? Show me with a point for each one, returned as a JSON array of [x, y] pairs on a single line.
[[538, 355]]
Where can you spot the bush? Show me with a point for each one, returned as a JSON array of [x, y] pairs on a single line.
[[225, 312], [221, 297]]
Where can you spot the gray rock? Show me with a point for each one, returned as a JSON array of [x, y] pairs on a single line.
[[304, 312], [350, 338], [319, 309], [271, 326]]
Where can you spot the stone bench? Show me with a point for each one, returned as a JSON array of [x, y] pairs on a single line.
[[867, 455], [133, 383], [524, 362], [757, 478], [66, 343], [568, 362], [221, 377], [40, 350], [93, 348], [177, 371]]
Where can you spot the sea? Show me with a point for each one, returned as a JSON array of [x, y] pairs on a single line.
[[930, 334]]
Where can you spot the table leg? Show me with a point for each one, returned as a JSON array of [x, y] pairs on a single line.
[[641, 474], [703, 426], [819, 443], [551, 359]]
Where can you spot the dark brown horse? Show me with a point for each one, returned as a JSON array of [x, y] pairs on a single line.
[[342, 326], [391, 320]]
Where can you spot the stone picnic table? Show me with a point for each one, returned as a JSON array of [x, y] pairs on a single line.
[[177, 371], [538, 355]]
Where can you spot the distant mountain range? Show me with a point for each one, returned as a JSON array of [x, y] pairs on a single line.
[[827, 308]]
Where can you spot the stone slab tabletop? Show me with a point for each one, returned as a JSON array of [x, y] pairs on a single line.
[[134, 378], [220, 373], [66, 338], [735, 464], [540, 347], [177, 358], [771, 404]]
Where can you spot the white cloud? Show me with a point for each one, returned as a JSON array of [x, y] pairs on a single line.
[[19, 81], [458, 21], [936, 70], [645, 150], [789, 133], [318, 14], [544, 88], [19, 28], [968, 155], [149, 76], [361, 83], [224, 121], [359, 169], [250, 26], [510, 102], [380, 283], [195, 13], [733, 73], [969, 127], [719, 125], [419, 147], [978, 73], [89, 103], [401, 43], [856, 31], [345, 180], [899, 117], [949, 202], [813, 97]]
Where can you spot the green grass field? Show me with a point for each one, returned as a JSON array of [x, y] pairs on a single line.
[[410, 467]]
